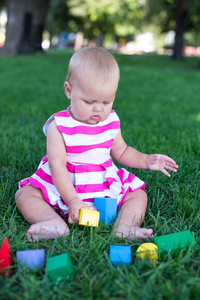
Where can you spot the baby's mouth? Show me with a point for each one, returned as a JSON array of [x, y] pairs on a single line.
[[95, 117]]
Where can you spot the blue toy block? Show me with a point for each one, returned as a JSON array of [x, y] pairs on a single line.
[[34, 259], [120, 254], [107, 208], [59, 267]]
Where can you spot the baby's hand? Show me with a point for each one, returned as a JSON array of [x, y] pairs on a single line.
[[161, 162], [74, 207]]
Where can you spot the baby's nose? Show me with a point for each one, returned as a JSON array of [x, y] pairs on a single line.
[[97, 107]]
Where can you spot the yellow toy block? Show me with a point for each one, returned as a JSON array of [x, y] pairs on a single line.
[[148, 251], [89, 217]]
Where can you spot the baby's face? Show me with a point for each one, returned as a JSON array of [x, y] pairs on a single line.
[[91, 102]]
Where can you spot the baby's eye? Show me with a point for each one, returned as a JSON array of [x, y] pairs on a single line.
[[88, 102], [107, 102]]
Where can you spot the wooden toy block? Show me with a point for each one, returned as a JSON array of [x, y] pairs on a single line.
[[107, 208], [59, 267], [120, 254], [89, 217], [148, 251], [5, 259], [34, 259], [174, 242]]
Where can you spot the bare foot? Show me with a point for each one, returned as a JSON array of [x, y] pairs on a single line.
[[133, 233], [46, 230]]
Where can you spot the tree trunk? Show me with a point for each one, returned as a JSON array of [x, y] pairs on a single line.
[[25, 45], [25, 25], [181, 18], [14, 27], [40, 8]]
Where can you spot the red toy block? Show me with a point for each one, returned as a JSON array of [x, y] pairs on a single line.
[[5, 258]]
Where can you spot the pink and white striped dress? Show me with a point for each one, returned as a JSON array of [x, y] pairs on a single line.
[[89, 163]]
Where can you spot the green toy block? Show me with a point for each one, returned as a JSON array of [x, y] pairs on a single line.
[[174, 242], [59, 267]]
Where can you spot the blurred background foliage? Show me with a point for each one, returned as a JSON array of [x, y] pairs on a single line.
[[173, 25]]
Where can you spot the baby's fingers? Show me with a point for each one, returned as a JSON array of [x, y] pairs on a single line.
[[168, 167], [84, 205], [73, 219], [165, 172], [172, 166], [171, 162], [70, 221]]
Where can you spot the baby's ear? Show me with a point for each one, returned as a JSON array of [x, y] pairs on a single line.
[[68, 89]]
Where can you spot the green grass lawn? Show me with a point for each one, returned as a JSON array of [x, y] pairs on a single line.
[[158, 104]]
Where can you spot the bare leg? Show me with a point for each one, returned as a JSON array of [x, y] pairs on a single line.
[[46, 223], [131, 216]]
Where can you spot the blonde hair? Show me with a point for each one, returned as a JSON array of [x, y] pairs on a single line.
[[94, 62]]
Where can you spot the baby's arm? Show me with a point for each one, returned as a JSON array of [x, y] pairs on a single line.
[[130, 157], [57, 158]]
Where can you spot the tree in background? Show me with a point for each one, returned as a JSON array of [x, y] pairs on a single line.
[[96, 19], [25, 25], [182, 16]]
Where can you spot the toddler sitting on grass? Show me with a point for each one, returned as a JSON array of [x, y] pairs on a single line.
[[81, 142]]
